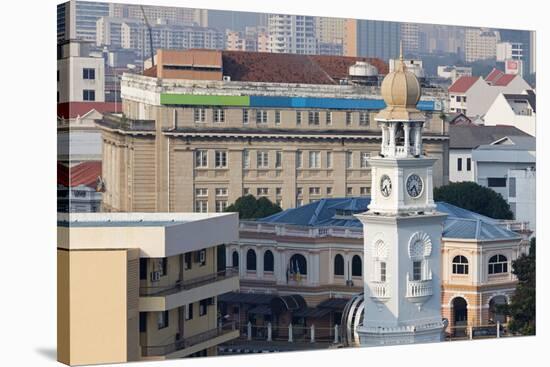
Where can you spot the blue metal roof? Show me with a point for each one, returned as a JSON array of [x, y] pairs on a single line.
[[338, 212]]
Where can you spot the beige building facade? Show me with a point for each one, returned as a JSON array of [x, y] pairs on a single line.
[[198, 145], [135, 286]]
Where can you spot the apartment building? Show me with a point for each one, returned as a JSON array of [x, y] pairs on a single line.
[[77, 19], [480, 44], [316, 252], [153, 293], [292, 34], [410, 37], [196, 139], [519, 110], [377, 38]]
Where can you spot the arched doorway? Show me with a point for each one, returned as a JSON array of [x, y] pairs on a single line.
[[495, 315], [460, 316]]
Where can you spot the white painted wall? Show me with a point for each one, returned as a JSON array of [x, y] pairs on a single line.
[[463, 175], [523, 200], [71, 84], [501, 113]]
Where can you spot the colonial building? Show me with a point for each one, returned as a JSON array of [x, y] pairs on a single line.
[[202, 128], [316, 252], [134, 286]]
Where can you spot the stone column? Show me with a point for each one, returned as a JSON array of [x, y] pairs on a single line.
[[392, 128], [260, 263]]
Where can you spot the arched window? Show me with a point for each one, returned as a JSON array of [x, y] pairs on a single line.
[[338, 265], [268, 261], [498, 264], [297, 264], [250, 260], [460, 265], [235, 259], [356, 266]]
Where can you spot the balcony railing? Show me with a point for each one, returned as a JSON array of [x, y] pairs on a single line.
[[178, 286], [301, 231], [419, 288], [163, 350], [380, 290]]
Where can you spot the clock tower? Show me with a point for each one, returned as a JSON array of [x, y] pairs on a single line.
[[402, 229]]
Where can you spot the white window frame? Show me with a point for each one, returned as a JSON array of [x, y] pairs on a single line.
[[221, 191], [201, 192], [218, 115], [246, 159], [261, 116], [220, 158], [199, 115], [313, 118], [262, 159], [329, 159], [246, 116], [299, 158], [221, 205], [364, 159], [277, 117], [364, 118], [201, 206], [328, 118], [201, 158], [349, 159], [314, 159]]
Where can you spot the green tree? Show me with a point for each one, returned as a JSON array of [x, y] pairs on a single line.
[[251, 208], [522, 307], [474, 197]]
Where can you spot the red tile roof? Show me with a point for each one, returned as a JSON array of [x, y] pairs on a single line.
[[462, 84], [268, 67], [85, 173], [494, 75], [70, 110]]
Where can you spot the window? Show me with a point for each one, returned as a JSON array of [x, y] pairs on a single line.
[[278, 159], [329, 190], [329, 159], [246, 191], [261, 117], [262, 191], [142, 322], [349, 191], [498, 264], [203, 307], [246, 159], [299, 191], [468, 164], [279, 202], [382, 271], [277, 117], [299, 202], [278, 191], [338, 265], [298, 159], [221, 205], [188, 260], [142, 268], [88, 73], [298, 117], [364, 159], [417, 270], [219, 115], [189, 312], [201, 206], [199, 115], [246, 116], [221, 159], [349, 159], [235, 259], [328, 118], [251, 260], [356, 266], [262, 159], [221, 191], [297, 264], [459, 164], [313, 117], [349, 119], [512, 187], [364, 191], [460, 265], [162, 319], [314, 159], [201, 158], [201, 192], [363, 118], [496, 181], [200, 257], [269, 263], [315, 191], [88, 95]]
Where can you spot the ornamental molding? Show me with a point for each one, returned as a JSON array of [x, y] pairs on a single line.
[[420, 245]]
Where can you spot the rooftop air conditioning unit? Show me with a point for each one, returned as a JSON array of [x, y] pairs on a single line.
[[226, 78], [155, 276]]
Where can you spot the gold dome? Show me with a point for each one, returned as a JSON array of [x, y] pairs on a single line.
[[401, 88]]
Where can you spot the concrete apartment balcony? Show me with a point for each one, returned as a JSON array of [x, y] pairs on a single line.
[[188, 291], [192, 344]]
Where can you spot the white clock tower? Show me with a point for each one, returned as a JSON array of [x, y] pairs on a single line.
[[402, 230]]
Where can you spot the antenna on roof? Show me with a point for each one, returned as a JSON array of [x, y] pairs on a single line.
[[150, 36]]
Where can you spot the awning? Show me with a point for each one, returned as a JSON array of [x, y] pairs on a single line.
[[250, 298], [334, 303], [260, 310], [313, 313], [291, 303]]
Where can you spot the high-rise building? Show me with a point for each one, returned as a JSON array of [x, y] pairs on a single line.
[[376, 38], [480, 44], [329, 30], [434, 38], [77, 19], [292, 34], [350, 37], [526, 38], [410, 38], [166, 14]]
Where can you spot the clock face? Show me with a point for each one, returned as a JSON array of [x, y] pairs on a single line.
[[414, 185], [385, 185]]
